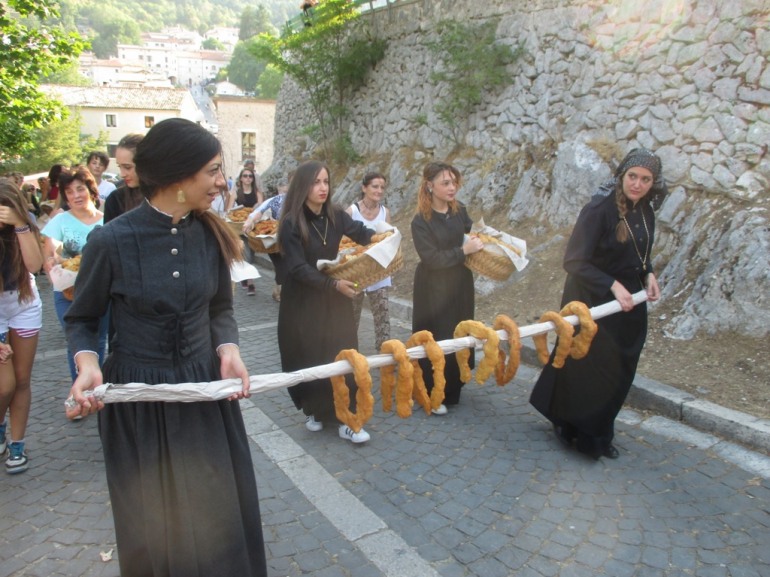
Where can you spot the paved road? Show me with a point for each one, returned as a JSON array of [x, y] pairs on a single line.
[[485, 491]]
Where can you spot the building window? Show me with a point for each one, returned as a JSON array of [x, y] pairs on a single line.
[[110, 120], [149, 121], [248, 145]]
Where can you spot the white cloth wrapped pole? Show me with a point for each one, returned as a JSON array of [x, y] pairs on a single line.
[[190, 392]]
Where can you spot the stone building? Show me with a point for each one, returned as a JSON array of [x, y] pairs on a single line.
[[245, 129]]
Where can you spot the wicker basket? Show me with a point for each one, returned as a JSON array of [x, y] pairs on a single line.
[[490, 264], [235, 225], [364, 270], [257, 246]]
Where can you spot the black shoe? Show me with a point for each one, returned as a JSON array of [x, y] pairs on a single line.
[[610, 452], [559, 432]]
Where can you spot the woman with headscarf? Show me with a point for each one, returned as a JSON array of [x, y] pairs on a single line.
[[607, 258], [180, 474]]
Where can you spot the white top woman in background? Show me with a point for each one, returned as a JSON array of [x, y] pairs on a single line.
[[370, 210]]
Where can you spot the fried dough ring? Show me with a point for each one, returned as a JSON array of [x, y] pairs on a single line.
[[564, 330], [491, 343], [364, 398], [588, 328], [405, 379], [436, 357], [504, 374]]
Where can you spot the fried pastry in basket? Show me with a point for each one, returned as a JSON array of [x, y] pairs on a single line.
[[239, 214], [70, 264], [264, 227]]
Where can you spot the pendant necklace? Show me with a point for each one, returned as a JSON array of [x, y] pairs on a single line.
[[326, 230], [647, 248]]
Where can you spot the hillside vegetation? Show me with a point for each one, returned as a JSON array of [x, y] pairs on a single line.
[[109, 22]]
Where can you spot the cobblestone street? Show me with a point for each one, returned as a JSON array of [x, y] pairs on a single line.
[[484, 491]]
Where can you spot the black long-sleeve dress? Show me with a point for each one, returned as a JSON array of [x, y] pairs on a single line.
[[180, 475], [121, 200], [315, 321], [585, 396], [443, 288]]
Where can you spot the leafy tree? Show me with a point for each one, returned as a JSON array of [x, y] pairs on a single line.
[[31, 48], [474, 63], [60, 142], [269, 83], [212, 44], [329, 59], [244, 70], [255, 21], [69, 75], [112, 28]]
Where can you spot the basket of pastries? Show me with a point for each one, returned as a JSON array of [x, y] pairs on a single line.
[[72, 265], [236, 217], [501, 255], [355, 262], [263, 237]]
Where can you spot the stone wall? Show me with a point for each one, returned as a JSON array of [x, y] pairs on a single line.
[[689, 79]]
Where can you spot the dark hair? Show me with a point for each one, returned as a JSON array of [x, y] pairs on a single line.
[[369, 177], [10, 252], [431, 171], [103, 158], [176, 149], [81, 173], [300, 185], [130, 141], [53, 174], [239, 194]]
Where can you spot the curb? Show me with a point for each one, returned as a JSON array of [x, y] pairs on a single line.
[[664, 400]]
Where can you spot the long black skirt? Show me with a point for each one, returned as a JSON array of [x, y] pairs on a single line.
[[584, 397]]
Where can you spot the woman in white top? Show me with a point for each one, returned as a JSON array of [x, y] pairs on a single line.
[[370, 210]]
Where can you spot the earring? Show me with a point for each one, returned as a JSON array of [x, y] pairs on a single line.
[[180, 196], [430, 191]]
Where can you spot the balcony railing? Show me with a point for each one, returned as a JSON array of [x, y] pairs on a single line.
[[364, 6]]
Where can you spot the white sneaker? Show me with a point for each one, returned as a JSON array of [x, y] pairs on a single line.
[[359, 437], [312, 425], [442, 410]]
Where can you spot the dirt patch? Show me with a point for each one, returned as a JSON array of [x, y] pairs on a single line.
[[728, 369]]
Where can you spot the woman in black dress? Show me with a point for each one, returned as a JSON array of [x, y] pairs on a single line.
[[607, 258], [180, 475], [315, 318], [443, 285], [127, 195]]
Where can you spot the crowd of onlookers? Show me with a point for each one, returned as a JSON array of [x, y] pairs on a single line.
[[45, 222]]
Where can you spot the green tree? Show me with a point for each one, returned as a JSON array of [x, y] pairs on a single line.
[[212, 44], [329, 60], [243, 69], [69, 75], [474, 64], [255, 21], [112, 28], [31, 49], [269, 83], [60, 142]]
